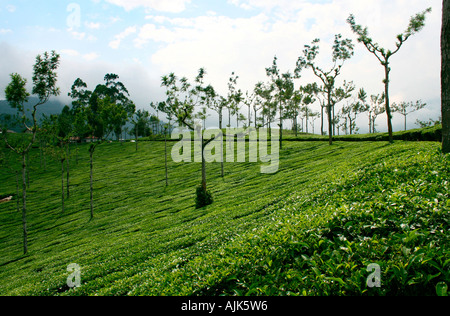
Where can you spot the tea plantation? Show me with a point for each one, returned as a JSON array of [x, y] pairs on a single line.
[[313, 228]]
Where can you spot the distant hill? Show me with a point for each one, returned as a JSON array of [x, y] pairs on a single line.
[[49, 108]]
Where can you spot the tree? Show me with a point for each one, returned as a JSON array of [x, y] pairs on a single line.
[[429, 123], [341, 94], [44, 86], [235, 97], [322, 97], [96, 115], [123, 108], [293, 109], [268, 105], [162, 107], [140, 122], [55, 127], [249, 102], [216, 103], [376, 108], [310, 91], [182, 98], [284, 90], [416, 24], [406, 108], [355, 107], [445, 77], [203, 115], [342, 51], [314, 116], [100, 127]]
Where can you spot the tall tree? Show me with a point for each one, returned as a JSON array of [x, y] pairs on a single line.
[[162, 107], [118, 94], [445, 76], [310, 92], [342, 51], [293, 109], [216, 103], [55, 127], [351, 111], [416, 24], [96, 115], [264, 93], [249, 102], [406, 108], [235, 97], [44, 86], [284, 90], [376, 108], [182, 98], [140, 121]]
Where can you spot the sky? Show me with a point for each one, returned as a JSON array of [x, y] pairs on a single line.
[[143, 40]]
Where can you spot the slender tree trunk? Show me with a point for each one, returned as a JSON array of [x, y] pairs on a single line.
[[330, 122], [203, 168], [281, 126], [334, 123], [222, 173], [445, 77], [62, 185], [307, 118], [388, 107], [24, 203], [28, 170], [165, 153], [321, 119]]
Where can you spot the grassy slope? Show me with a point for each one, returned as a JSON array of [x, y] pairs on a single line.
[[263, 235]]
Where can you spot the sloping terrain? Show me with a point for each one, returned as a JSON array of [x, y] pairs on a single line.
[[310, 229]]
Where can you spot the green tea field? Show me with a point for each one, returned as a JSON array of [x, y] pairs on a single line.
[[313, 228]]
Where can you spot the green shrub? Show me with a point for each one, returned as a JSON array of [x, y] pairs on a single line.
[[203, 198]]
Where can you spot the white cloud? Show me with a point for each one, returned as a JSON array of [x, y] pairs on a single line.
[[247, 45], [173, 6], [115, 44], [91, 56], [11, 8], [78, 35], [223, 44], [92, 25], [5, 31], [70, 52]]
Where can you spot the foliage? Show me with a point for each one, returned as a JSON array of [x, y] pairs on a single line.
[[265, 235], [203, 198], [416, 24], [343, 50]]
